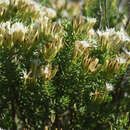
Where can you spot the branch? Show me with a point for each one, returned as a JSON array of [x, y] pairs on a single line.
[[100, 18], [14, 127], [106, 19], [127, 23]]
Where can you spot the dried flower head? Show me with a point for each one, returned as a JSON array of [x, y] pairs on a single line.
[[90, 64], [93, 66]]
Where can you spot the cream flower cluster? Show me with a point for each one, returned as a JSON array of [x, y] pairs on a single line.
[[67, 8], [42, 11], [6, 27], [84, 44], [18, 33], [109, 86], [112, 39], [18, 27], [111, 34], [26, 8], [12, 33], [109, 40], [4, 2], [123, 36], [121, 59], [87, 43]]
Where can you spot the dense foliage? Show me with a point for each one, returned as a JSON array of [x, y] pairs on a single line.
[[62, 69]]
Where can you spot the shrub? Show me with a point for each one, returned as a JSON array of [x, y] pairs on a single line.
[[60, 72]]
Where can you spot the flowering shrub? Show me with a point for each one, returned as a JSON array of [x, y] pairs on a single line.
[[59, 71]]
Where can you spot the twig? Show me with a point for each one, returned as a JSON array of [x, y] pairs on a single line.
[[106, 19], [100, 18], [127, 23]]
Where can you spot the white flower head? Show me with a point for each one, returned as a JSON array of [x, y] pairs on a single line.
[[50, 12], [126, 51], [110, 30], [25, 75], [16, 27], [42, 10], [42, 14], [35, 4], [91, 31], [5, 25], [103, 33], [84, 44], [59, 21], [91, 20], [125, 94], [6, 2], [109, 86], [65, 13], [91, 94], [93, 42], [46, 70], [121, 59], [99, 32], [123, 36]]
